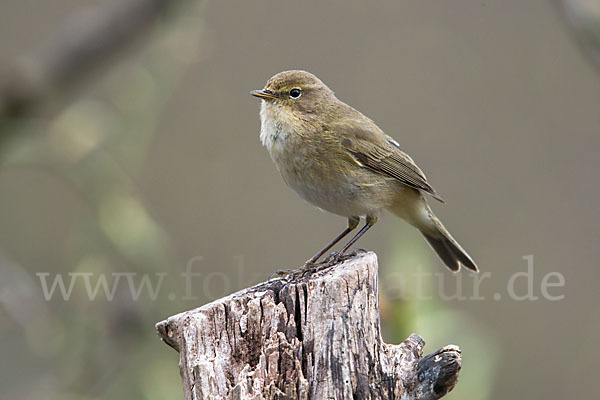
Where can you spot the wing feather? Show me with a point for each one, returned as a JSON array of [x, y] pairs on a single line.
[[379, 152]]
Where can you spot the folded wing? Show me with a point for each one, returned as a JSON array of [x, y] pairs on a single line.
[[375, 150]]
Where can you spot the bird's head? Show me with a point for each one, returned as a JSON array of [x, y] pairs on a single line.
[[298, 93]]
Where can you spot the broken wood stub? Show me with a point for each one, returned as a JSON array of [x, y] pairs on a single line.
[[316, 337]]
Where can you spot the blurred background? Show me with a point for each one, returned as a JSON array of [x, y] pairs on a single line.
[[129, 147]]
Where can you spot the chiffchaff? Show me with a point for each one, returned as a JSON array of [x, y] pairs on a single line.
[[339, 160]]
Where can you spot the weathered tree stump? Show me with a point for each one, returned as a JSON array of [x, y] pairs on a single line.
[[316, 337]]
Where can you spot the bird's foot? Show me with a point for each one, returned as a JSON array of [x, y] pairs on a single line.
[[281, 273], [337, 257], [311, 267], [291, 274], [334, 258]]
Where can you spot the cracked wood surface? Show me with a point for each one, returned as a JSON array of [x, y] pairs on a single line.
[[316, 337]]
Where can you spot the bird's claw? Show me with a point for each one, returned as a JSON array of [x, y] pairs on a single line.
[[307, 269], [337, 257], [281, 273], [291, 274], [311, 267]]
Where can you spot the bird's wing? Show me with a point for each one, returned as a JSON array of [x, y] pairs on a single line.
[[377, 151]]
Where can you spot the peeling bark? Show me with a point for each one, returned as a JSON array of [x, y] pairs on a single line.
[[316, 337]]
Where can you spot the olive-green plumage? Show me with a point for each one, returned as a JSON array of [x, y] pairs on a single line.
[[339, 160]]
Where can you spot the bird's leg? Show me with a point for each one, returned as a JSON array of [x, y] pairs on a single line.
[[308, 265], [352, 224], [311, 266], [371, 220]]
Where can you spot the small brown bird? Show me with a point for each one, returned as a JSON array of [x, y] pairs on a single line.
[[339, 160]]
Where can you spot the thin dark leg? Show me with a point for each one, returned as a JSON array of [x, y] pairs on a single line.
[[370, 222], [352, 224]]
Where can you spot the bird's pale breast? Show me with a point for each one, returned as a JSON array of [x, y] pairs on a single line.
[[323, 180]]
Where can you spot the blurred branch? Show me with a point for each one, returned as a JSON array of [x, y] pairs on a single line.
[[88, 40], [95, 146], [584, 18]]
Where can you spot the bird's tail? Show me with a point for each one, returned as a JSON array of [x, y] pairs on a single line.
[[447, 248], [418, 214]]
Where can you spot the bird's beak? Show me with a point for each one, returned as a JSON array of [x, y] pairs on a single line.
[[263, 94]]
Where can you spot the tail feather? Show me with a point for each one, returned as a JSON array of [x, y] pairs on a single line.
[[450, 252], [413, 208], [443, 251]]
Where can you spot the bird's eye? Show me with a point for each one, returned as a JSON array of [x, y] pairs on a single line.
[[295, 93]]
